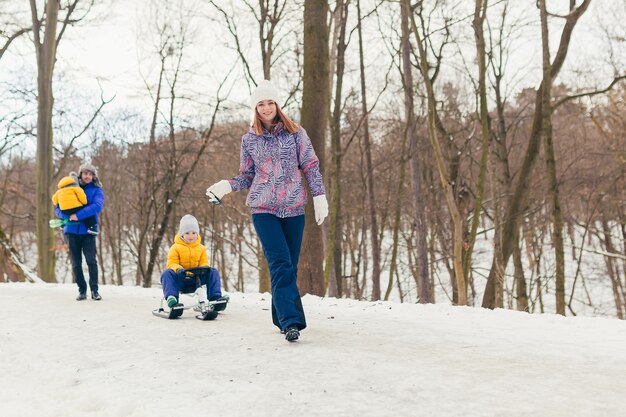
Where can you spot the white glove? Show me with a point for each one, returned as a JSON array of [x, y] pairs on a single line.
[[218, 190], [321, 208]]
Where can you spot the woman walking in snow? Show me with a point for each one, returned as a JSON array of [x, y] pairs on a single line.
[[273, 152], [81, 239]]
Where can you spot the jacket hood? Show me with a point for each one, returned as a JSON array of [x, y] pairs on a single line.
[[65, 181]]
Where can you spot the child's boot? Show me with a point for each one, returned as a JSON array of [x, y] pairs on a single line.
[[176, 309], [220, 303]]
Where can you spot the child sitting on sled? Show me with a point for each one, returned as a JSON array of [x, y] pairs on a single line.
[[70, 198], [188, 252]]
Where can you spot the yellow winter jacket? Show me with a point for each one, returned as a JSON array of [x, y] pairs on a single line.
[[69, 194], [186, 255]]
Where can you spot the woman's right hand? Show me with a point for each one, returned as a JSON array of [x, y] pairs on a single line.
[[218, 190]]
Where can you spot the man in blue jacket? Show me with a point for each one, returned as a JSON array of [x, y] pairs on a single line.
[[82, 240]]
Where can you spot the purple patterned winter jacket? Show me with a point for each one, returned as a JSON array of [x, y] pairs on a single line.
[[270, 166]]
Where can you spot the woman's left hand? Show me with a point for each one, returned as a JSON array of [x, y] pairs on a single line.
[[320, 205], [73, 218]]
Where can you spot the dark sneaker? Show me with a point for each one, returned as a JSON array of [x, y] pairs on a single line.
[[208, 315], [92, 232], [95, 296], [176, 311], [292, 333], [220, 303], [81, 296]]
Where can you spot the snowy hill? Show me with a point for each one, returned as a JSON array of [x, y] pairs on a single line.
[[64, 358]]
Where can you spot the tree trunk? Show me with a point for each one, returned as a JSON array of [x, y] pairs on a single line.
[[557, 233], [419, 218], [501, 185], [314, 103], [264, 273], [616, 285], [148, 187], [480, 11], [333, 249], [46, 57], [371, 197], [397, 221], [520, 280], [446, 185]]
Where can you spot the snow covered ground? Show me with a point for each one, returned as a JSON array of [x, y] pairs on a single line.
[[61, 358]]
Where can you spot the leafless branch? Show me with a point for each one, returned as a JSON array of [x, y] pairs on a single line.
[[68, 148], [589, 93], [232, 28], [12, 38]]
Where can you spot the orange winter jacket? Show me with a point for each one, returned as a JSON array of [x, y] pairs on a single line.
[[186, 255], [69, 194]]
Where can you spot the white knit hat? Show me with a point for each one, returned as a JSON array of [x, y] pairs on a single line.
[[188, 224], [264, 91]]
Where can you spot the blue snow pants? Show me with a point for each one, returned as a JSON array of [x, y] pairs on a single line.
[[174, 284], [281, 239], [83, 245]]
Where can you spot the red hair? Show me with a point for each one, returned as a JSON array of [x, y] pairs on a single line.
[[288, 124]]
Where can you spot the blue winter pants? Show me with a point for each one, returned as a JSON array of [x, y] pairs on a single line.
[[83, 245], [281, 239], [174, 284]]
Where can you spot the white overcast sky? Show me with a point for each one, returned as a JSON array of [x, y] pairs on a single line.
[[113, 50]]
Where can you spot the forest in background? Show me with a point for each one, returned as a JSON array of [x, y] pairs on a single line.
[[451, 176]]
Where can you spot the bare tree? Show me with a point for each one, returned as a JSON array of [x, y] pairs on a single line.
[[546, 127], [449, 187], [333, 250], [269, 16], [46, 40], [480, 13], [510, 232], [419, 218], [314, 98], [501, 177], [46, 55], [371, 197], [178, 153]]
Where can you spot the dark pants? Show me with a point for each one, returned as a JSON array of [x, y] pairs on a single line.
[[281, 239], [173, 284], [79, 245], [89, 221]]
